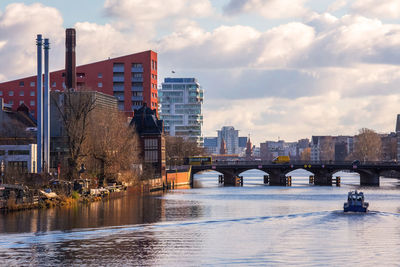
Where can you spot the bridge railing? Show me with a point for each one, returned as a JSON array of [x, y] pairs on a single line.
[[301, 162]]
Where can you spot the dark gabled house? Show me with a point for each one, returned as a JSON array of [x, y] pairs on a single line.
[[151, 133]]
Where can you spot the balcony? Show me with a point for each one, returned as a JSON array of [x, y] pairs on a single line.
[[137, 79], [119, 68], [137, 88], [137, 98], [137, 69], [118, 88], [118, 78]]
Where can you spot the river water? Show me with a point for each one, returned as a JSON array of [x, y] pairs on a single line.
[[213, 225]]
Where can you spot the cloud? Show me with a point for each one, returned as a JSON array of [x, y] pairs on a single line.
[[92, 35], [337, 5], [377, 8], [19, 25], [292, 119], [145, 16], [271, 9]]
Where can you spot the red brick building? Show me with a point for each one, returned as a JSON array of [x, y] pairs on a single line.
[[132, 79]]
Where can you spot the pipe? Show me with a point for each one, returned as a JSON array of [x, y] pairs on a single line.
[[39, 104], [46, 109]]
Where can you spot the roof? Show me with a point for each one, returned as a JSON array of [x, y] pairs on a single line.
[[146, 122]]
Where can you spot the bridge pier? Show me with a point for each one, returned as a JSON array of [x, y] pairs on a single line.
[[322, 177], [277, 177], [369, 177]]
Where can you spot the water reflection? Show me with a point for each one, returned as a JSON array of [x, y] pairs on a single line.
[[132, 209]]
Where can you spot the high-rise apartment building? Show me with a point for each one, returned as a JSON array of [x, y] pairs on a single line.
[[180, 107]]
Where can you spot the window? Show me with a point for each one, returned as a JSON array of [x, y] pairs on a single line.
[[32, 103], [32, 93], [32, 84], [137, 65], [21, 83], [138, 75], [99, 75], [100, 85], [80, 75], [11, 102], [1, 93], [64, 85], [21, 102], [2, 152], [53, 84], [21, 93], [11, 93]]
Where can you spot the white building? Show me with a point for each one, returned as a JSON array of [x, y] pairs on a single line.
[[21, 157], [180, 102]]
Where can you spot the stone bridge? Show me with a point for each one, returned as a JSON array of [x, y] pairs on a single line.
[[369, 171]]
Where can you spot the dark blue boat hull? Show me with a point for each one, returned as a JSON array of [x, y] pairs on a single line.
[[355, 209]]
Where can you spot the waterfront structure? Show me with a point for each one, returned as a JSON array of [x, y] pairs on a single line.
[[152, 139], [181, 102], [398, 137], [19, 158], [132, 79]]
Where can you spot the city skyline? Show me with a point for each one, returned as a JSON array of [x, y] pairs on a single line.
[[300, 68]]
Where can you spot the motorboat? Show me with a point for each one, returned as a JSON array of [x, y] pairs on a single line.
[[355, 202]]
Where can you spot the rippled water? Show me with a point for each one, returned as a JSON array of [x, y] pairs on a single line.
[[213, 225]]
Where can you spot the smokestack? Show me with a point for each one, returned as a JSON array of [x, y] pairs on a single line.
[[70, 63], [46, 109], [39, 106]]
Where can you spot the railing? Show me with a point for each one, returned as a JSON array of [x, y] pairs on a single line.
[[303, 162]]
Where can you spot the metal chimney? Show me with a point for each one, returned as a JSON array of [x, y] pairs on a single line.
[[70, 62], [46, 109], [39, 106]]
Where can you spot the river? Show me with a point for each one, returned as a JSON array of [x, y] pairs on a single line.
[[256, 225]]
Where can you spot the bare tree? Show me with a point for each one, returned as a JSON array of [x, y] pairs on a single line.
[[113, 146], [75, 109], [306, 154], [327, 147], [367, 146], [177, 149]]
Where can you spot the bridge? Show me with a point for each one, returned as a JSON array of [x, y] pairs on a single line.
[[369, 172]]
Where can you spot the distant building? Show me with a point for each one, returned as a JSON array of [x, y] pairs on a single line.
[[151, 133], [231, 139], [181, 102], [389, 146], [19, 158], [211, 145], [323, 148]]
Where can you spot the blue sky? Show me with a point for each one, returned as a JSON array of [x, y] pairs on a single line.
[[287, 68]]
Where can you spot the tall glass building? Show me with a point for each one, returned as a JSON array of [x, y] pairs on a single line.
[[180, 101]]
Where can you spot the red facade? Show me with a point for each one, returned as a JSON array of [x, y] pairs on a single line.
[[132, 79]]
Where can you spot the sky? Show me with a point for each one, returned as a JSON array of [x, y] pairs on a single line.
[[273, 69]]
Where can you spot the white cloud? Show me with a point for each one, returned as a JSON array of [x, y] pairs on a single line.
[[98, 42], [19, 25], [337, 5], [272, 9], [144, 15], [378, 8]]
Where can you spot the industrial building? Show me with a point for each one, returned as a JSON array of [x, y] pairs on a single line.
[[180, 101]]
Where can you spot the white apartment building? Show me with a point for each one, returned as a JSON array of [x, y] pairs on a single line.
[[180, 101]]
